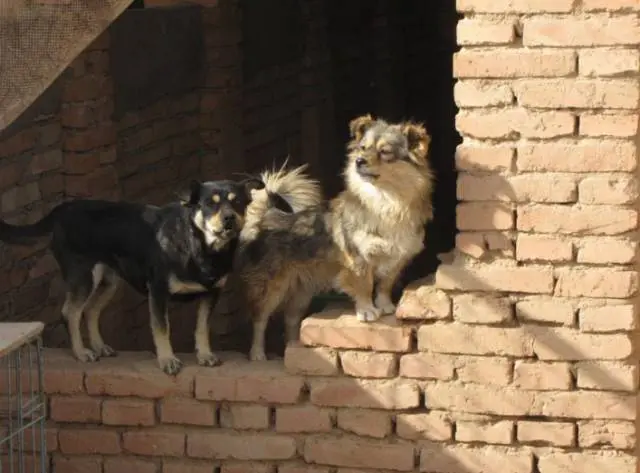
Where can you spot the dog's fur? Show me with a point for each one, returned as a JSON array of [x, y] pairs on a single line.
[[358, 243], [180, 251]]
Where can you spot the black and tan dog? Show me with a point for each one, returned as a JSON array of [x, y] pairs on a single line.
[[180, 251], [358, 243]]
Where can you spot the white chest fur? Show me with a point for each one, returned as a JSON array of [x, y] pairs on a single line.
[[177, 286]]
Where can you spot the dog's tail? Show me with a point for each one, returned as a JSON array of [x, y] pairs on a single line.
[[290, 191], [25, 234]]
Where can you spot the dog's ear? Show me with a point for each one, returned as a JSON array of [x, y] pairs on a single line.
[[190, 195], [358, 126], [251, 184], [418, 141]]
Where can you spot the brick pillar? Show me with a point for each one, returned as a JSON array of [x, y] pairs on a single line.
[[532, 324], [89, 134], [221, 101]]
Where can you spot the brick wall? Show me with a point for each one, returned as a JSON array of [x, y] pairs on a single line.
[[519, 357]]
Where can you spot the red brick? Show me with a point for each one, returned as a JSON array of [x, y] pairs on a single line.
[[560, 343], [586, 462], [87, 87], [495, 278], [483, 370], [545, 309], [154, 442], [560, 434], [81, 163], [542, 376], [472, 31], [513, 63], [607, 376], [46, 161], [591, 31], [475, 460], [481, 157], [249, 382], [129, 465], [603, 250], [611, 318], [511, 123], [596, 282], [616, 190], [495, 432], [102, 179], [578, 93], [524, 188], [89, 441], [138, 379], [484, 216], [187, 466], [608, 62], [455, 338], [586, 405], [302, 468], [365, 423], [20, 142], [18, 197], [434, 426], [245, 467], [358, 453], [427, 366], [243, 417], [298, 419], [481, 93], [364, 364], [76, 464], [81, 409], [583, 156], [128, 412], [63, 374], [421, 301], [472, 244], [514, 6], [479, 399], [187, 411], [91, 138], [318, 361], [338, 329], [598, 433], [611, 5], [583, 219], [375, 394], [531, 247], [609, 124], [481, 309], [230, 445]]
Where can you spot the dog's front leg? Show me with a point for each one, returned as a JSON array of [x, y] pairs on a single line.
[[360, 288], [158, 301], [383, 287], [203, 347]]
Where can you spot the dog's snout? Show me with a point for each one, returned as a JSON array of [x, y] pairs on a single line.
[[229, 221], [361, 162]]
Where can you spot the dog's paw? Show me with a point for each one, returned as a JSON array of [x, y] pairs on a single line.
[[384, 303], [87, 356], [257, 355], [170, 365], [208, 359], [368, 314], [105, 350]]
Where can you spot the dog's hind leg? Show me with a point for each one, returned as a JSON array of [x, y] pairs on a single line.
[[103, 293], [203, 346], [159, 318], [261, 317], [293, 314]]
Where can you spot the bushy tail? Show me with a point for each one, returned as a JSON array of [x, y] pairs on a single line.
[[290, 191], [25, 234]]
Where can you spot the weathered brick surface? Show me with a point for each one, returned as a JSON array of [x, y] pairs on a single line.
[[518, 357]]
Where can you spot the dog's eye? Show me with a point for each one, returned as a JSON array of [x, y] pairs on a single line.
[[362, 147], [387, 154]]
